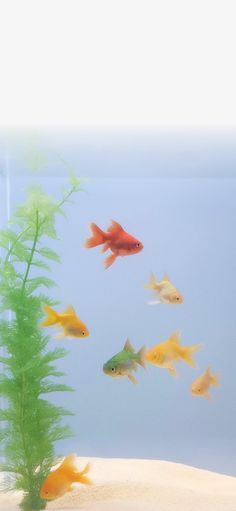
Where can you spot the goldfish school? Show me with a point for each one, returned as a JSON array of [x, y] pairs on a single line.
[[164, 355]]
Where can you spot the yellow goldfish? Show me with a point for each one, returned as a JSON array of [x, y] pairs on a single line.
[[201, 385], [164, 291], [68, 320], [166, 353], [60, 480]]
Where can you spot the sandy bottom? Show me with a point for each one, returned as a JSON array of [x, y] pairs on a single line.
[[144, 485]]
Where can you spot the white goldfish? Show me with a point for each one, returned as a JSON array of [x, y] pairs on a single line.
[[164, 291]]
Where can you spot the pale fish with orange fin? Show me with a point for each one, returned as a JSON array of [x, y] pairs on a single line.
[[115, 239], [202, 384], [72, 325], [60, 481], [164, 291], [166, 353]]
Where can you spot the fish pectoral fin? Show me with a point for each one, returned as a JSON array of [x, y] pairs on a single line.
[[207, 396], [109, 261], [154, 302], [132, 379], [59, 335], [172, 371]]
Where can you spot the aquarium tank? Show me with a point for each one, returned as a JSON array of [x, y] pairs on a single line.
[[117, 301]]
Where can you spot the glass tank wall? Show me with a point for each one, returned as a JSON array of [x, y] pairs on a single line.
[[175, 193]]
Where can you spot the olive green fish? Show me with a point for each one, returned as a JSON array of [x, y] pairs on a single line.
[[124, 362]]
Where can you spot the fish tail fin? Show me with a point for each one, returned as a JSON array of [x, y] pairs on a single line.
[[109, 261], [141, 357], [52, 316], [151, 283], [214, 378], [81, 477], [69, 467], [98, 237], [187, 352]]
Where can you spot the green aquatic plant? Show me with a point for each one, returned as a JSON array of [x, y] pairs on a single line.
[[30, 423]]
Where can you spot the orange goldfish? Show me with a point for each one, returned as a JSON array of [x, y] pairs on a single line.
[[201, 385], [60, 480], [68, 320], [170, 351], [116, 239]]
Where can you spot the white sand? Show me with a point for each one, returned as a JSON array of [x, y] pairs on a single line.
[[143, 485]]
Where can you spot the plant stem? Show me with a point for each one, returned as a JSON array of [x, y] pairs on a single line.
[[28, 465], [73, 189], [32, 251]]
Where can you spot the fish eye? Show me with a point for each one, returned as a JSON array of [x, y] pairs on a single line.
[[177, 297], [83, 333], [113, 369], [138, 245]]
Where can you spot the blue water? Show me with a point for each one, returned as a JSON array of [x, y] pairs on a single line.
[[187, 226]]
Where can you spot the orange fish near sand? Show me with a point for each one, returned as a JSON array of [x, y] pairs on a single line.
[[116, 239], [68, 320], [60, 481]]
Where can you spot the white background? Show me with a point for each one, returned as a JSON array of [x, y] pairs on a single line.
[[124, 62]]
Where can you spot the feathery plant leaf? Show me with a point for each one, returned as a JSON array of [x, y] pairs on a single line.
[[30, 424]]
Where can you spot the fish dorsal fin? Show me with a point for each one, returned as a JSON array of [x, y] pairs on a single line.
[[128, 346], [69, 463], [70, 310], [175, 337], [152, 279], [152, 283], [166, 277], [115, 227]]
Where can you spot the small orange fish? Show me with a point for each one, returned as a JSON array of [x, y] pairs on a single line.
[[116, 239], [60, 481], [71, 324], [202, 384]]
